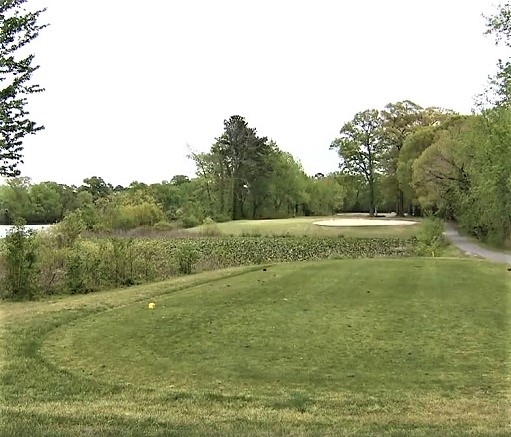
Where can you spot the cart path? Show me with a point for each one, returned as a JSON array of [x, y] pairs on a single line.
[[467, 245]]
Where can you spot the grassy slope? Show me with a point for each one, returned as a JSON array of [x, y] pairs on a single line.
[[306, 226], [353, 347]]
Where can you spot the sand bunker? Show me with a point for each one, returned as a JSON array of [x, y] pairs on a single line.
[[364, 222]]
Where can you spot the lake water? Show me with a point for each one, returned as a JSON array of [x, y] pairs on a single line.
[[5, 228]]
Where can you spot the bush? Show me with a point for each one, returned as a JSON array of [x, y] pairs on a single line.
[[20, 258], [190, 221], [75, 277], [210, 228], [164, 226], [52, 260], [211, 231], [430, 239], [122, 260], [186, 257], [208, 221], [221, 218], [69, 229]]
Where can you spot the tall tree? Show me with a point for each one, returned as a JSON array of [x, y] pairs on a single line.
[[17, 28], [399, 120], [258, 186], [499, 89], [211, 170], [244, 155], [15, 199], [413, 147], [440, 174], [354, 188], [46, 203], [326, 195], [402, 119], [288, 194], [360, 147], [489, 215], [97, 187]]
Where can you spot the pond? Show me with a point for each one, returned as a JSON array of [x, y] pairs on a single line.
[[5, 228]]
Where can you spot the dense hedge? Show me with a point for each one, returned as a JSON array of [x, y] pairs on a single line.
[[100, 263], [243, 250]]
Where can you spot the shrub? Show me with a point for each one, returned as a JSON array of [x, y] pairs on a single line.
[[75, 277], [52, 260], [430, 239], [164, 226], [210, 228], [190, 221], [20, 257], [122, 217], [122, 260], [186, 257], [208, 221], [221, 218], [211, 231], [90, 216], [69, 229]]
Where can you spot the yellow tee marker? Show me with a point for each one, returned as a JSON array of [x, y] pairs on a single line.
[[151, 305]]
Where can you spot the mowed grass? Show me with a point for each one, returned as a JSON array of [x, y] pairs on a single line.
[[306, 226], [398, 347]]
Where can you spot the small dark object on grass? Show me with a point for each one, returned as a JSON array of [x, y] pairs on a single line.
[[509, 269], [264, 270], [369, 291]]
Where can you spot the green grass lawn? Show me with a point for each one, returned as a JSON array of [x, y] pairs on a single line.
[[398, 347], [306, 226]]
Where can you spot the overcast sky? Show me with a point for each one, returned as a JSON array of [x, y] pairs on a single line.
[[130, 84]]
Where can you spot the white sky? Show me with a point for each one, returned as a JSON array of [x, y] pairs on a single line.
[[129, 84]]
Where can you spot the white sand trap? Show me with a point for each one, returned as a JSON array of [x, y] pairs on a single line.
[[364, 222]]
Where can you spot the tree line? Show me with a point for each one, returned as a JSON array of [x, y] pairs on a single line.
[[180, 201], [401, 158], [243, 176]]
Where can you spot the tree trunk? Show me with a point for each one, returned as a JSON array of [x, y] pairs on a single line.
[[234, 195], [372, 205], [400, 203], [241, 203], [254, 209], [222, 196], [277, 204]]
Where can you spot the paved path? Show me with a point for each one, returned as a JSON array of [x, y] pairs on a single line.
[[467, 245]]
